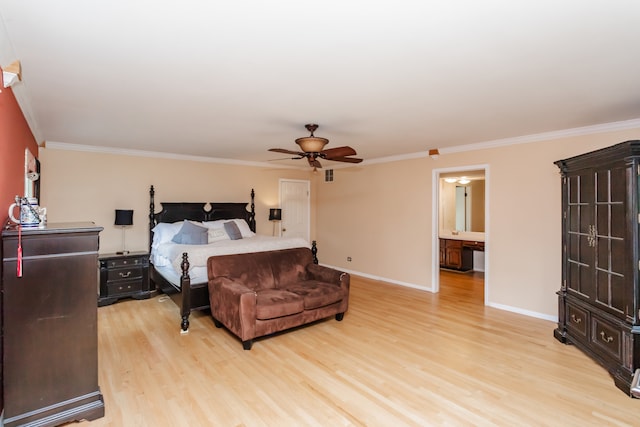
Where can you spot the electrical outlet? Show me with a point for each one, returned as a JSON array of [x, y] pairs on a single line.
[[349, 258]]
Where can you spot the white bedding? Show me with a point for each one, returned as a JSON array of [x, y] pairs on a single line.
[[196, 275], [169, 253]]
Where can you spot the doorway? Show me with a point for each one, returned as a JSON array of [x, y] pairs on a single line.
[[296, 210], [462, 174]]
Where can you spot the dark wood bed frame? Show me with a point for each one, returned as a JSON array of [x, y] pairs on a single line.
[[195, 296]]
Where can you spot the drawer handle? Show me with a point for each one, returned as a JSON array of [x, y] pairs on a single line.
[[125, 275], [576, 319], [605, 338]]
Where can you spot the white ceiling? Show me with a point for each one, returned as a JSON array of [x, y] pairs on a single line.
[[230, 79]]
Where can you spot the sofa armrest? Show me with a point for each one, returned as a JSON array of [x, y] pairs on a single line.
[[234, 305], [329, 275]]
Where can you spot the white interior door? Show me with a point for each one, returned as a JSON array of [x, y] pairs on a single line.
[[295, 204]]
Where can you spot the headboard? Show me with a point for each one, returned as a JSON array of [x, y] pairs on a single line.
[[178, 211]]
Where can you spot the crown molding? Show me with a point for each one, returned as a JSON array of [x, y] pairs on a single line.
[[546, 136], [155, 154], [525, 139]]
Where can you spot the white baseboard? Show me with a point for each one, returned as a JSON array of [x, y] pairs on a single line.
[[524, 312], [517, 310], [382, 279]]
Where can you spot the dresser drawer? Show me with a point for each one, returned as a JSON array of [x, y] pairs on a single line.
[[577, 321], [122, 288], [124, 274], [607, 336]]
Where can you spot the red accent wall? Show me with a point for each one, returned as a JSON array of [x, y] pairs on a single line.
[[15, 136]]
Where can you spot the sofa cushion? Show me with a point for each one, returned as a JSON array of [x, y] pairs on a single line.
[[316, 294], [272, 303], [251, 269]]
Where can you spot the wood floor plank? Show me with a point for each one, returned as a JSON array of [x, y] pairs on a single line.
[[400, 357]]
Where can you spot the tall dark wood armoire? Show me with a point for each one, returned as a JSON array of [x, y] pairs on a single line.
[[49, 325], [599, 295]]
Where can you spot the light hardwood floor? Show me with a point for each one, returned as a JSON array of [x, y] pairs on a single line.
[[400, 357]]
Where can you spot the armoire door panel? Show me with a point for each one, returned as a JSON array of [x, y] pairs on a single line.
[[602, 186], [619, 256], [618, 227]]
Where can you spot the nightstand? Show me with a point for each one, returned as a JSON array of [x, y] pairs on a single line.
[[123, 276]]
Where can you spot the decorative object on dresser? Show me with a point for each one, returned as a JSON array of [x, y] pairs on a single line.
[[599, 295], [123, 276], [124, 219], [49, 325], [179, 269]]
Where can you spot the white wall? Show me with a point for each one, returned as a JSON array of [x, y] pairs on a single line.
[[381, 216], [89, 186]]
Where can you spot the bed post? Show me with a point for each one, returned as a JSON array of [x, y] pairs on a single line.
[[252, 215], [185, 290], [152, 210]]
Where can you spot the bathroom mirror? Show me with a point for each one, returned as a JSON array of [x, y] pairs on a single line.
[[462, 201]]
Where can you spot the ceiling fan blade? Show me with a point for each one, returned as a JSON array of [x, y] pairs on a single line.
[[282, 150], [314, 163], [332, 153], [346, 159]]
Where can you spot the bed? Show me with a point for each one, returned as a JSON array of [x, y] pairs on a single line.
[[179, 269]]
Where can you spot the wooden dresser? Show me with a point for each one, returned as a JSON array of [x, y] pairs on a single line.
[[49, 325], [600, 294]]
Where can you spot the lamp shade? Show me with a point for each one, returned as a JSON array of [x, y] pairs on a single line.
[[124, 217], [275, 214]]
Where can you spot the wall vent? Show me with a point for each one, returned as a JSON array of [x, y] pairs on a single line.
[[328, 175]]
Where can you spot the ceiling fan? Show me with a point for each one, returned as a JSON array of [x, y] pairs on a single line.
[[312, 148]]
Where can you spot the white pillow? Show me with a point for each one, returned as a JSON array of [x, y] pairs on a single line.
[[217, 234], [244, 228], [245, 231], [215, 224], [164, 232]]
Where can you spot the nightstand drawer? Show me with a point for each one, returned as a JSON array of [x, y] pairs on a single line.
[[124, 274], [122, 288], [124, 262]]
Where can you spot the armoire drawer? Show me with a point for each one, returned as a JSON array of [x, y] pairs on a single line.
[[607, 336], [578, 321]]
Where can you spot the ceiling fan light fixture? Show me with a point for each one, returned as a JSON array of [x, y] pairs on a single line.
[[313, 149], [312, 144]]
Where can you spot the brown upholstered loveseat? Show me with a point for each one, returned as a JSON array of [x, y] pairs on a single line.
[[257, 294]]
